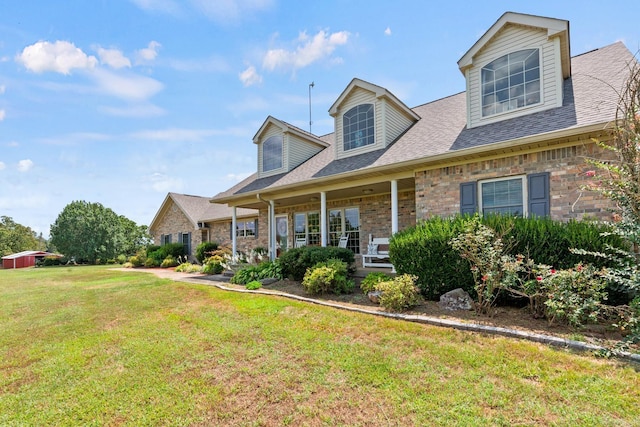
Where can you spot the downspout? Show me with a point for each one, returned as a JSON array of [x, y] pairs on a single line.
[[271, 225]]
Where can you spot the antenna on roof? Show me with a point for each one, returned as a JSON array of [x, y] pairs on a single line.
[[310, 122]]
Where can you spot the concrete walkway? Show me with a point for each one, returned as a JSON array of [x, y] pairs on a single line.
[[220, 282]]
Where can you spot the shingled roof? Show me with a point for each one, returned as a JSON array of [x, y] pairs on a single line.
[[200, 209], [590, 99]]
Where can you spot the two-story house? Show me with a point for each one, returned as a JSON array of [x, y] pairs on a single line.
[[514, 142]]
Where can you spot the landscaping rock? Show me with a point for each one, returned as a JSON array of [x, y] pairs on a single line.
[[268, 281], [374, 296], [457, 299]]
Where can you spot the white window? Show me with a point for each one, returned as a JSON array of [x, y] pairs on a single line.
[[358, 127], [272, 153], [506, 196], [511, 81], [246, 228], [307, 226], [345, 222]]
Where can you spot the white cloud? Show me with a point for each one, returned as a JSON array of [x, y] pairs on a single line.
[[175, 134], [387, 32], [149, 53], [225, 11], [60, 57], [162, 183], [308, 51], [3, 89], [126, 86], [2, 166], [114, 58], [3, 114], [250, 77], [164, 6], [237, 177], [13, 144], [25, 165], [134, 111]]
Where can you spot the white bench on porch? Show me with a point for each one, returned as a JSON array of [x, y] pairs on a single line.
[[377, 253]]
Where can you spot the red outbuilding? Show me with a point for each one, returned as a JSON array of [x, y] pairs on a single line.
[[24, 259]]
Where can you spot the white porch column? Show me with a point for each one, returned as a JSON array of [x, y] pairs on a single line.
[[234, 237], [272, 230], [394, 206], [323, 218]]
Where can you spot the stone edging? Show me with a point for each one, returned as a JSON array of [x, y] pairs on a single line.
[[473, 327]]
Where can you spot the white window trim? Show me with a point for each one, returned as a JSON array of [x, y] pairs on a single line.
[[364, 148], [525, 192], [517, 111]]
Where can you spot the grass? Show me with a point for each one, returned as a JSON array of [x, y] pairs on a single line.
[[92, 346]]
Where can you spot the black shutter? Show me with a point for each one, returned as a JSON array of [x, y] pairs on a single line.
[[170, 236], [539, 200], [231, 231], [189, 246], [468, 198], [255, 226], [161, 240]]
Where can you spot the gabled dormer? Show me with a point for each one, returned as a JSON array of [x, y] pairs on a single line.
[[517, 67], [367, 118], [282, 147]]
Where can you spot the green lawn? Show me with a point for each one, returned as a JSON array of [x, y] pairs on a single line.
[[91, 346]]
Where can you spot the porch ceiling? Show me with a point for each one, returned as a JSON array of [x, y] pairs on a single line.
[[310, 196]]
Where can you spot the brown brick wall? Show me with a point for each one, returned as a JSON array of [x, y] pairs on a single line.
[[175, 222], [438, 190]]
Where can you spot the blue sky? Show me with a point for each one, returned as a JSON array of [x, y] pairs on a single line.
[[120, 102]]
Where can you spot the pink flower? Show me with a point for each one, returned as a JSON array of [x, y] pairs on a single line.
[[579, 267], [552, 271], [590, 173], [484, 278], [539, 278]]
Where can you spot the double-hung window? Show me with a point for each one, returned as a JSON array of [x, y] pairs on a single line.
[[505, 196], [345, 221], [307, 226], [246, 228]]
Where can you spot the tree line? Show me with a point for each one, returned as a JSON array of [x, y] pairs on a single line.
[[85, 231]]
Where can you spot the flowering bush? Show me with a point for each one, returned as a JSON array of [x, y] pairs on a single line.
[[369, 283]]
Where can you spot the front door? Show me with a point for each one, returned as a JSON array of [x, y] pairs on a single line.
[[282, 234]]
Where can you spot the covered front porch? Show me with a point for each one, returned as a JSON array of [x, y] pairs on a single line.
[[357, 211]]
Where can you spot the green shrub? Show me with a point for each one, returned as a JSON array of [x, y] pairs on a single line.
[[369, 283], [135, 261], [160, 253], [205, 250], [212, 266], [187, 267], [296, 261], [253, 285], [328, 277], [399, 294], [49, 261], [151, 262], [121, 259], [263, 270], [127, 265], [423, 250], [169, 261], [575, 295]]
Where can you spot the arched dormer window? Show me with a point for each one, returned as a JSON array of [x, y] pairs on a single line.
[[272, 153], [510, 82], [358, 127]]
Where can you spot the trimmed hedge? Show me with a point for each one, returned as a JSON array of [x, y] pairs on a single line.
[[160, 253], [296, 261], [424, 250]]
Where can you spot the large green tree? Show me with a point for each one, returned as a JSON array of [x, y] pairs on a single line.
[[90, 231], [17, 238]]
